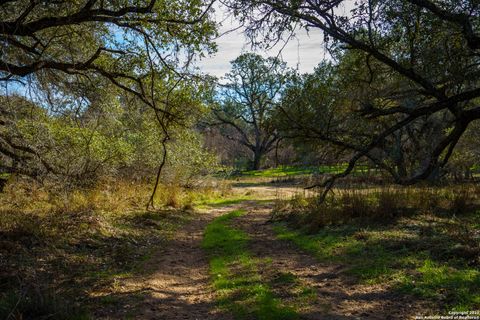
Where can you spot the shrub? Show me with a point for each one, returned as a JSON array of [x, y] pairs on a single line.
[[353, 205], [461, 200]]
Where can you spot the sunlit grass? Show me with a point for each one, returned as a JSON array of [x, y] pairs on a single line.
[[419, 261], [286, 171], [222, 201], [4, 175], [235, 274], [460, 287]]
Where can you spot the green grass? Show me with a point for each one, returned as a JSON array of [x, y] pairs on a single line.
[[444, 282], [235, 274], [5, 176], [220, 202], [339, 246], [282, 171], [285, 278], [418, 260], [287, 171]]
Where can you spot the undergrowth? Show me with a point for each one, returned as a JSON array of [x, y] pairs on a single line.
[[58, 247], [421, 241]]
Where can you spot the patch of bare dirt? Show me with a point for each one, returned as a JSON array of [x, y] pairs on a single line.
[[274, 191], [177, 285], [338, 297]]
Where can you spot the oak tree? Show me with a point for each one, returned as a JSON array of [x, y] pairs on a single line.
[[247, 101], [430, 47]]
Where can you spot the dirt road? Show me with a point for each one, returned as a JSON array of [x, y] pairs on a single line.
[[178, 286]]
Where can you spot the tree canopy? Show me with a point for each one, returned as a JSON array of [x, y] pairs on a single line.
[[74, 58], [400, 88], [248, 101], [418, 60]]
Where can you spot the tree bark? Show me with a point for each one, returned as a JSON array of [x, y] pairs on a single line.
[[257, 160]]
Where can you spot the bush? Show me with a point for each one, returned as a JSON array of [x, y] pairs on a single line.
[[462, 200], [353, 205]]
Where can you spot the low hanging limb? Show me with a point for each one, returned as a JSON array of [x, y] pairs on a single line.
[[445, 147]]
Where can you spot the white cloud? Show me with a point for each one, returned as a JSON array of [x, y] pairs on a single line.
[[306, 50]]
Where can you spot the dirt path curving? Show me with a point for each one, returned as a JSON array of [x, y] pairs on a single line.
[[177, 285], [176, 282]]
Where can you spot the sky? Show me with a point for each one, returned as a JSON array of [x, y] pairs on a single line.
[[304, 51]]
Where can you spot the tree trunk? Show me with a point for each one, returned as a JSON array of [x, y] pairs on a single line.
[[257, 159], [3, 182], [468, 174]]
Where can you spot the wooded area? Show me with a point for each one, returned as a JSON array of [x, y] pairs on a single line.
[[133, 185]]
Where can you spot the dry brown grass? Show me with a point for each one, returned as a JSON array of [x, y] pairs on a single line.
[[57, 245], [379, 205]]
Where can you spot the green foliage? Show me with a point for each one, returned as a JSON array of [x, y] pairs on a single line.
[[76, 40], [108, 89], [346, 105], [84, 149], [188, 160], [247, 102], [108, 139]]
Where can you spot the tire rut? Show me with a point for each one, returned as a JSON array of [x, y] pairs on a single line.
[[338, 296], [178, 283]]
